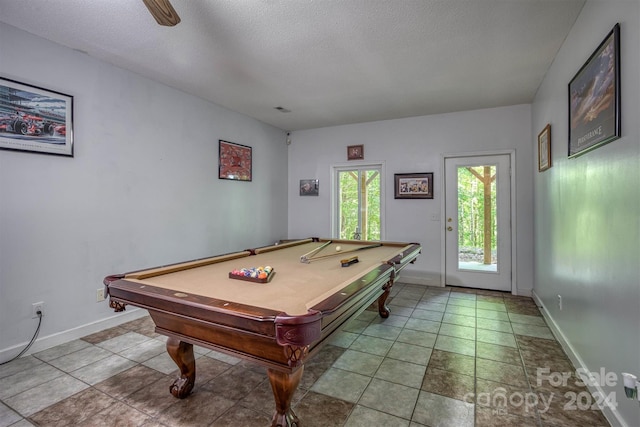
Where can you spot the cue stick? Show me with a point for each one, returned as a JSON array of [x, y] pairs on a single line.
[[305, 258], [343, 252]]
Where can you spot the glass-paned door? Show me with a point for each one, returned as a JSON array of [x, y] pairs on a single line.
[[478, 222], [358, 193]]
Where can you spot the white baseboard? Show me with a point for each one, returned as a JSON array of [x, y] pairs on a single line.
[[524, 292], [422, 279], [611, 413], [44, 343]]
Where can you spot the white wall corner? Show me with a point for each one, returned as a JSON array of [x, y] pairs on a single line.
[[610, 412], [524, 292], [63, 337], [420, 278]]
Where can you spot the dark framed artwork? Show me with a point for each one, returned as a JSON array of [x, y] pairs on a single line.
[[355, 152], [234, 161], [309, 187], [414, 185], [544, 149], [35, 119], [594, 98]]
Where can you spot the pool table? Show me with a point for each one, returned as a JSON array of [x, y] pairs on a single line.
[[278, 322]]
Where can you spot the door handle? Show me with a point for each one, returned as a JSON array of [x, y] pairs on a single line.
[[449, 228]]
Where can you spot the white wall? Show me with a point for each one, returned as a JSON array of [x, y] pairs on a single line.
[[587, 212], [415, 144], [142, 190]]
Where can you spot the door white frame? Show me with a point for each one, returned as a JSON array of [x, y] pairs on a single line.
[[333, 172], [514, 228]]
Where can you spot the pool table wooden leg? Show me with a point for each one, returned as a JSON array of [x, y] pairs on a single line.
[[182, 353], [284, 385], [382, 301]]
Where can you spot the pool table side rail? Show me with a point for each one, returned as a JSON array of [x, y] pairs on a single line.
[[408, 256], [289, 243], [334, 302], [180, 266], [277, 246], [208, 309]]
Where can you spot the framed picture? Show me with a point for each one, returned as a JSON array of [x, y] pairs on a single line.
[[414, 185], [355, 152], [234, 161], [594, 98], [544, 149], [309, 187], [35, 119]]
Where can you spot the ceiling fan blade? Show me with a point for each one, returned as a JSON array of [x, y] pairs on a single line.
[[163, 12]]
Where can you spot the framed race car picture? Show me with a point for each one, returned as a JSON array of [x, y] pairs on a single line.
[[35, 119]]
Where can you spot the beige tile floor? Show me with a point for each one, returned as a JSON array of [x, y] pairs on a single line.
[[445, 357]]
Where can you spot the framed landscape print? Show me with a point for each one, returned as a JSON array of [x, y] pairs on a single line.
[[544, 149], [594, 98], [35, 119], [234, 161], [414, 185]]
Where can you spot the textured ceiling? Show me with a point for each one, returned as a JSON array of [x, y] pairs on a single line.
[[330, 62]]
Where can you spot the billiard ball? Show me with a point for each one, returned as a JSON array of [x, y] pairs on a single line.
[[338, 248]]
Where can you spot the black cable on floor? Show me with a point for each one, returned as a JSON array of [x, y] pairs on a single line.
[[33, 339]]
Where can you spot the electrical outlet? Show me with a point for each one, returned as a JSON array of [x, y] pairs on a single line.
[[560, 302], [35, 308], [99, 294]]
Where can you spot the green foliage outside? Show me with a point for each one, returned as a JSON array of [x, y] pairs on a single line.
[[471, 211], [350, 204]]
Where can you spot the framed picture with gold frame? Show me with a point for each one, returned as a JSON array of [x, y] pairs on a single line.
[[544, 149]]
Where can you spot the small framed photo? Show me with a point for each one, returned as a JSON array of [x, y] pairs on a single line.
[[309, 187], [234, 161], [544, 149], [414, 185], [594, 98], [35, 119], [355, 152]]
